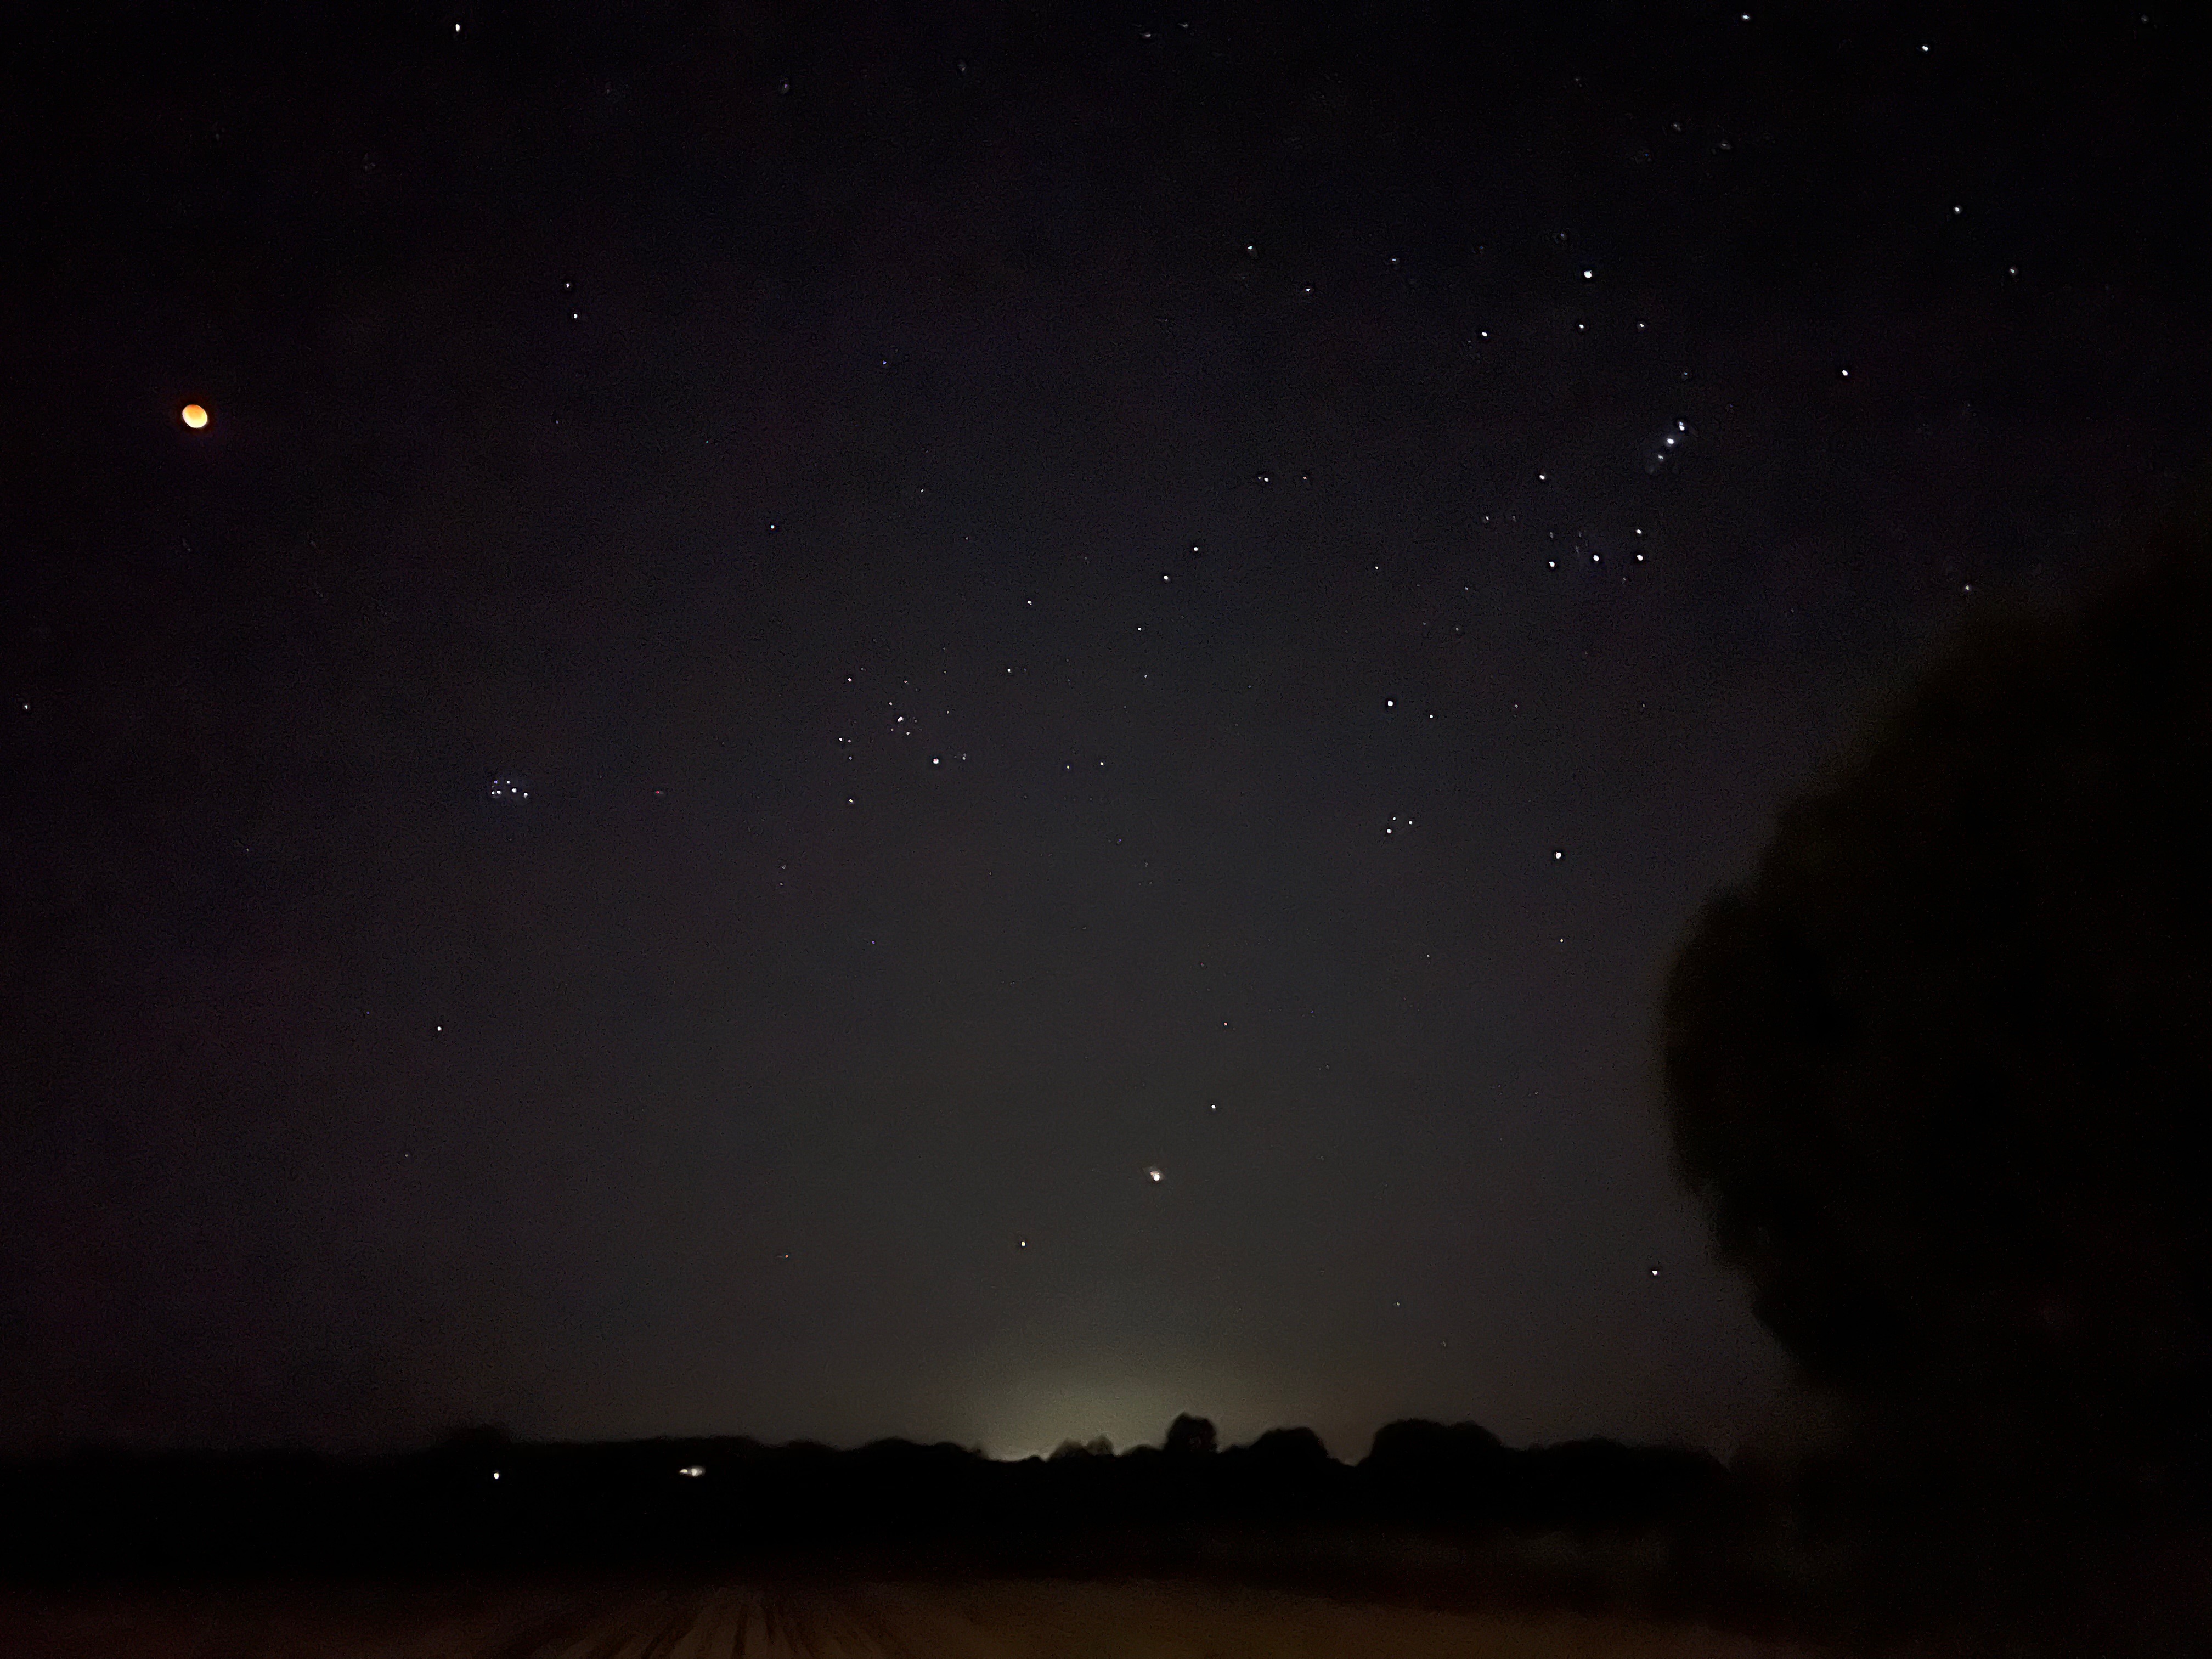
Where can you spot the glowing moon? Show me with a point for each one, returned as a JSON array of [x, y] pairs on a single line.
[[194, 416]]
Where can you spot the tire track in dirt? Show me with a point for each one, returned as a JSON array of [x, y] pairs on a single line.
[[822, 1620], [749, 1622]]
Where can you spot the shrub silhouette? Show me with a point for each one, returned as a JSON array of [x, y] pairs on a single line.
[[1939, 1072]]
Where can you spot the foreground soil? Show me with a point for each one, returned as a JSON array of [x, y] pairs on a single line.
[[978, 1620]]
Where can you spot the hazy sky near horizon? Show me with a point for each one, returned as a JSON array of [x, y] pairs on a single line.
[[920, 721]]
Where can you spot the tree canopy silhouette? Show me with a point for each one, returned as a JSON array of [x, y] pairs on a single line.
[[1415, 1446], [1289, 1448], [1192, 1436], [1939, 1071]]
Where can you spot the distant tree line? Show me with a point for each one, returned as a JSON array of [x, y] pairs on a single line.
[[483, 1500]]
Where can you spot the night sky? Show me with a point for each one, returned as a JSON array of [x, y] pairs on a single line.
[[974, 721]]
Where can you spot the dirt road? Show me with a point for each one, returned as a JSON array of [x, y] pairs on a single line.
[[989, 1620]]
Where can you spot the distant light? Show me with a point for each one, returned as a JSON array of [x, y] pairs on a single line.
[[1154, 1172], [694, 1470], [194, 416], [495, 1474]]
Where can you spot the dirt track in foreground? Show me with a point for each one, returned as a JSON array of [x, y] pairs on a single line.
[[992, 1621]]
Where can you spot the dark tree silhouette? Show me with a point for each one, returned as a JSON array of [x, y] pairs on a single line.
[[1434, 1470], [1192, 1436], [1288, 1449], [1415, 1446], [1940, 1071], [1097, 1446]]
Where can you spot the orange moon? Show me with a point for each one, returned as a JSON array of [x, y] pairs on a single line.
[[194, 416]]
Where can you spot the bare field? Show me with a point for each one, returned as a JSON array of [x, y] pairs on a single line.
[[980, 1620]]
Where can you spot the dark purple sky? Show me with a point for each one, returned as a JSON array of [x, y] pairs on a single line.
[[798, 650]]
